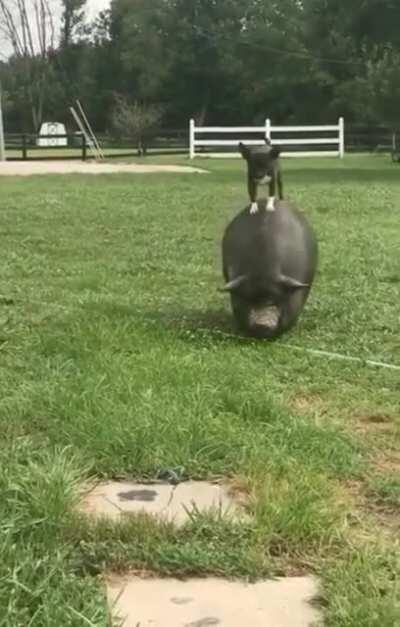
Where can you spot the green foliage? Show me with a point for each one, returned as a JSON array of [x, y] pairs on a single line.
[[72, 19], [231, 61], [136, 121]]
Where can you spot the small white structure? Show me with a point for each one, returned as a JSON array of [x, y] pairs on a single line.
[[330, 144], [52, 128]]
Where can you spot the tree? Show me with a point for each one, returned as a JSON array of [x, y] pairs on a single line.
[[351, 42], [374, 93], [224, 61], [275, 62], [136, 121], [203, 54], [29, 27], [72, 18], [140, 47]]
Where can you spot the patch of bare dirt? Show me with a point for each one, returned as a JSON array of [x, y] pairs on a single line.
[[371, 513], [306, 404], [375, 423], [388, 463], [28, 168]]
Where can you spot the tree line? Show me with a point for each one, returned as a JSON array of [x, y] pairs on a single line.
[[219, 61]]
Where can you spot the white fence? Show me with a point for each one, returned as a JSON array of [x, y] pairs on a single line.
[[297, 138]]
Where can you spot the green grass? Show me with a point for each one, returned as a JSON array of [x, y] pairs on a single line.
[[117, 358]]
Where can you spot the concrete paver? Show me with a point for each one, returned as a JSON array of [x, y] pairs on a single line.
[[213, 602], [173, 503]]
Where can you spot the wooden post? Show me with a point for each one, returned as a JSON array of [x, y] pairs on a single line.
[[84, 152], [24, 148], [82, 130]]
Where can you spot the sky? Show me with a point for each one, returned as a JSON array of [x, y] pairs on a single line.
[[92, 9]]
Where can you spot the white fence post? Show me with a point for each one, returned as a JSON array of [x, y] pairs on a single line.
[[341, 137], [268, 129], [191, 138]]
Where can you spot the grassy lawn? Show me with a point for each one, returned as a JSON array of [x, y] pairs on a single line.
[[118, 359]]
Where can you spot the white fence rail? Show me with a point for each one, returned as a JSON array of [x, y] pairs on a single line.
[[272, 133]]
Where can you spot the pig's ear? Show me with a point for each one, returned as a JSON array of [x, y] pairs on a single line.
[[289, 283], [234, 284], [275, 152], [244, 151]]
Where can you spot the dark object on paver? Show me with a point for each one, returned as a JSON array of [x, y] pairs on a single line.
[[174, 476], [181, 600], [208, 621], [269, 263], [138, 495]]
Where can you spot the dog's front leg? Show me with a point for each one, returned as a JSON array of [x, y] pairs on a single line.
[[252, 187], [271, 197], [280, 185]]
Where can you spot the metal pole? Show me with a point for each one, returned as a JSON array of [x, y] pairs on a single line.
[[2, 142], [82, 129], [94, 138]]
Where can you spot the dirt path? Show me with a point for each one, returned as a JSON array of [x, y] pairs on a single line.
[[27, 168]]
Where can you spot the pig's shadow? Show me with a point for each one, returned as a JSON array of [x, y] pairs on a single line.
[[190, 320], [194, 326], [200, 327], [218, 326], [204, 327]]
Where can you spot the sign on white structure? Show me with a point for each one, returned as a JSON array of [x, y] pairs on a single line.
[[52, 128]]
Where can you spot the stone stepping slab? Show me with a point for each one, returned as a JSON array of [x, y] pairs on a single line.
[[212, 602], [173, 503]]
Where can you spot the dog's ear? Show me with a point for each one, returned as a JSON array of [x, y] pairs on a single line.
[[275, 152], [244, 151], [268, 141]]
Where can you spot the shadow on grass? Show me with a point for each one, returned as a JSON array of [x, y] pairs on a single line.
[[193, 326]]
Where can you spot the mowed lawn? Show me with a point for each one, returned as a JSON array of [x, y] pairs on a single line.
[[118, 359]]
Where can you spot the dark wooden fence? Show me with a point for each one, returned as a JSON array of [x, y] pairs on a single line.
[[24, 146], [370, 138]]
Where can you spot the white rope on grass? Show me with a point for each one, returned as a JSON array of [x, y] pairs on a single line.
[[319, 353]]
